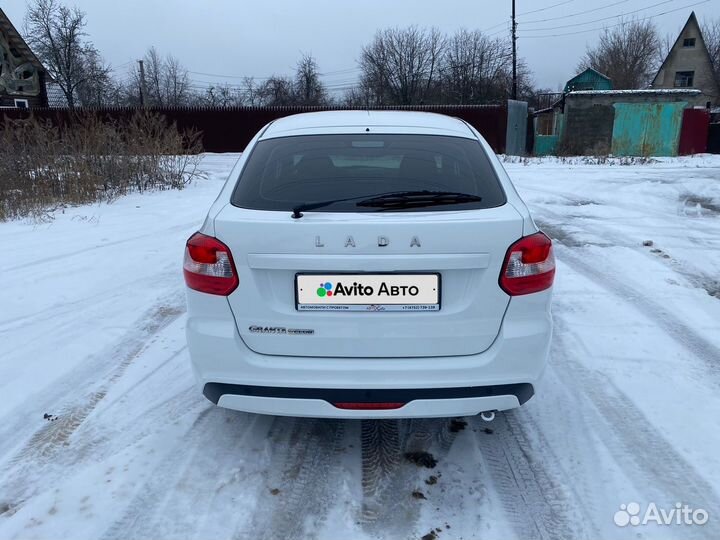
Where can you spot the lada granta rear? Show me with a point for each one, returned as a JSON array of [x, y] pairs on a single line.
[[369, 265]]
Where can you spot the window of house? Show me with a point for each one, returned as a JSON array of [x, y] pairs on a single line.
[[684, 79], [689, 42], [22, 104]]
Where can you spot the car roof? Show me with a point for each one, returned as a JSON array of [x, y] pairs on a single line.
[[351, 122]]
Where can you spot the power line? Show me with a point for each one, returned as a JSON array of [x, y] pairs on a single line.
[[116, 68], [228, 76], [349, 70], [576, 14], [506, 29], [618, 24], [598, 20], [218, 75], [545, 8]]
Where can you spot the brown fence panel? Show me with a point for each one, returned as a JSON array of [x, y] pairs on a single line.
[[230, 129], [694, 132]]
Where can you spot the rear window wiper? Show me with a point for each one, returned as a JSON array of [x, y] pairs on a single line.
[[394, 199], [300, 208], [408, 199]]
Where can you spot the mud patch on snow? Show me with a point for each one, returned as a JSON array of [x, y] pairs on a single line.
[[696, 205], [581, 202], [417, 494], [558, 234], [457, 425], [6, 509], [708, 284], [421, 459], [699, 279]]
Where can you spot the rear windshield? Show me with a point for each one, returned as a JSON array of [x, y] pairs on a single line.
[[286, 172]]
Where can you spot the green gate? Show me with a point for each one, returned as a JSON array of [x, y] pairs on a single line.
[[647, 129]]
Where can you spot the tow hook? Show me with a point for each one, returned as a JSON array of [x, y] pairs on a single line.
[[488, 416]]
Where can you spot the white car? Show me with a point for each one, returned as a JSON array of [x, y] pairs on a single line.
[[363, 264]]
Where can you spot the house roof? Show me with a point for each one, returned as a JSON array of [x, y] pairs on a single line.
[[594, 71], [589, 78], [16, 40], [692, 20]]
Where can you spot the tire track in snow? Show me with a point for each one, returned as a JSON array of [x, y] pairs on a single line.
[[648, 459], [695, 276], [62, 256], [381, 456], [535, 496], [189, 492], [304, 471], [388, 479], [59, 455], [51, 445], [672, 325], [59, 311]]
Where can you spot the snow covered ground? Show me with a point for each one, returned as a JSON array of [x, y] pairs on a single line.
[[102, 434]]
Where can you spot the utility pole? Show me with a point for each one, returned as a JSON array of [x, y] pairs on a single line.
[[142, 83], [514, 52]]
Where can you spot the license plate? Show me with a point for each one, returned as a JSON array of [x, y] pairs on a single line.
[[367, 292]]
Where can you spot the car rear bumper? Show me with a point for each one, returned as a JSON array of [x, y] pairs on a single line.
[[359, 403], [502, 377]]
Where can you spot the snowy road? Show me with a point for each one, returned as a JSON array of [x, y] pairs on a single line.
[[102, 434]]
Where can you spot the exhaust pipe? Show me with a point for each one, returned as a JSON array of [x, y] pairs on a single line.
[[488, 416]]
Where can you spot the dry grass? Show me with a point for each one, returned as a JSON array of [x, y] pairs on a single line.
[[44, 168]]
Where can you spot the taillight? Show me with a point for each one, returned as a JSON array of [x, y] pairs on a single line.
[[529, 266], [208, 266]]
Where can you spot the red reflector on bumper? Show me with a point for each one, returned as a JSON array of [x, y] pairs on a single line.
[[368, 406]]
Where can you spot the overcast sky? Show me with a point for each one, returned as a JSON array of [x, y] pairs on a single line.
[[262, 37]]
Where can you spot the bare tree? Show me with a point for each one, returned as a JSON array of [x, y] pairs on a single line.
[[276, 91], [57, 35], [221, 95], [526, 90], [476, 67], [98, 88], [176, 82], [167, 82], [401, 66], [250, 92], [627, 53], [309, 89], [153, 83], [360, 95], [711, 34]]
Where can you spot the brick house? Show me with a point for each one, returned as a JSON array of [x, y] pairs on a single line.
[[23, 79]]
